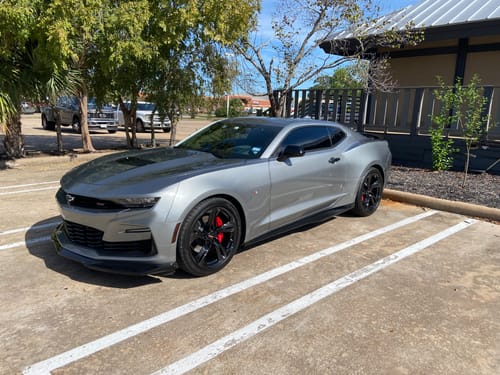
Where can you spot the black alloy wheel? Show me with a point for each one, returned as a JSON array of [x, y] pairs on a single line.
[[369, 193], [209, 237]]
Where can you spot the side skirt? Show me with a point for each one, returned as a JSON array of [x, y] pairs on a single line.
[[315, 219]]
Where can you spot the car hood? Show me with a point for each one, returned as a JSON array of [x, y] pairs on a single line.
[[143, 171]]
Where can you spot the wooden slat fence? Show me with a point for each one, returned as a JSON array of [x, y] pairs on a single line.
[[407, 110]]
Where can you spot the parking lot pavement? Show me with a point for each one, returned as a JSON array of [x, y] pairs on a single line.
[[405, 291], [38, 140]]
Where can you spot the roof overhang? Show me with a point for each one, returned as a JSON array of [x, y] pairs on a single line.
[[367, 46]]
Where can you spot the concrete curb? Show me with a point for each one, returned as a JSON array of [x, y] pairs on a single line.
[[443, 205], [53, 159]]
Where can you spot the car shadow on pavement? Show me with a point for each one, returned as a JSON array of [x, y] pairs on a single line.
[[285, 231], [72, 141], [38, 245]]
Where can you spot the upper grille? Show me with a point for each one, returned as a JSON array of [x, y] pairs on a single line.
[[106, 115], [91, 237], [86, 202]]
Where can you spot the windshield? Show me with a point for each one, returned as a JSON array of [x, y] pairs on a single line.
[[232, 140], [145, 107]]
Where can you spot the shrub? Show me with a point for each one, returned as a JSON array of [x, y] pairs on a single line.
[[461, 105]]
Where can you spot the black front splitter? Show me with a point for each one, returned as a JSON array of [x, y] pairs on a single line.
[[114, 266]]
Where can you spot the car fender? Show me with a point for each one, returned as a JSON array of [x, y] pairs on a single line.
[[250, 191]]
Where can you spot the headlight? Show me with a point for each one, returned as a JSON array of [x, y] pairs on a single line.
[[145, 202]]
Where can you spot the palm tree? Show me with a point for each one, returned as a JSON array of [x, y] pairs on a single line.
[[58, 82], [11, 89]]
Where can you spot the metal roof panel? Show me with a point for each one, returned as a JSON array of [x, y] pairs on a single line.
[[433, 13]]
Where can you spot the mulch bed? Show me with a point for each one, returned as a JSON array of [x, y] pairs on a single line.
[[480, 188]]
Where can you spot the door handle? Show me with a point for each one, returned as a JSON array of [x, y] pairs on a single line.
[[333, 160]]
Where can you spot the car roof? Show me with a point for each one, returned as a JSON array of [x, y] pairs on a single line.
[[280, 122]]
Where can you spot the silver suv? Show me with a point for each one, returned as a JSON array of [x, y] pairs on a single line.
[[144, 118]]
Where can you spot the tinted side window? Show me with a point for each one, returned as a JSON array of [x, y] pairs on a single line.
[[310, 138], [336, 135]]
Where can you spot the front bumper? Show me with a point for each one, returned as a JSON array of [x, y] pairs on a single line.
[[158, 125], [96, 124], [126, 266]]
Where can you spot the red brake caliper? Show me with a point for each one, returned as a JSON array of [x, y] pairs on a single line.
[[218, 224]]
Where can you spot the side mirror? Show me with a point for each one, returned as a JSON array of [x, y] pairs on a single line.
[[291, 151]]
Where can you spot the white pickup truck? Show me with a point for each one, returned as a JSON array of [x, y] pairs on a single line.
[[144, 118], [104, 118]]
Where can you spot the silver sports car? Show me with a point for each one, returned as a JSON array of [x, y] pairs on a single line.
[[232, 183]]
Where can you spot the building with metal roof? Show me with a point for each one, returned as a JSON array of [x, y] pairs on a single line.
[[461, 38]]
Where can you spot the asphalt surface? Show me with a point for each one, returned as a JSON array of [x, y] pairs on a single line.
[[407, 290]]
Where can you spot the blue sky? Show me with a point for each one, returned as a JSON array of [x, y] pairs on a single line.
[[268, 7], [386, 5]]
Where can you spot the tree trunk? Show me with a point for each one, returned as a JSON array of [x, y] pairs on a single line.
[[277, 101], [60, 147], [130, 124], [153, 134], [84, 125], [128, 128], [467, 161], [14, 141], [173, 130]]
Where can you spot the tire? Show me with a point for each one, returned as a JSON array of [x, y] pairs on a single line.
[[139, 126], [111, 131], [48, 125], [209, 237], [77, 128], [166, 130], [369, 193]]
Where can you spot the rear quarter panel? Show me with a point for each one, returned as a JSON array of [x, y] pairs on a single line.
[[360, 158]]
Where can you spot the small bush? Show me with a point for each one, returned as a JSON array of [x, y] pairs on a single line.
[[461, 105]]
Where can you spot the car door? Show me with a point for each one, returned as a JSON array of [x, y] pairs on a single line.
[[302, 186], [64, 107]]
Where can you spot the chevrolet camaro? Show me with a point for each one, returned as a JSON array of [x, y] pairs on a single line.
[[232, 183]]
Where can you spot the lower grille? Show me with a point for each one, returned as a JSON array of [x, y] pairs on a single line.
[[92, 238]]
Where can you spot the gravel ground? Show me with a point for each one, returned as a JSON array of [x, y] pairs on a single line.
[[482, 189]]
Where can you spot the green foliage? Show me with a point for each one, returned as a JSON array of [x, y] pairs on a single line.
[[442, 146], [442, 149], [342, 78], [463, 106], [17, 22], [235, 109], [173, 51], [221, 112]]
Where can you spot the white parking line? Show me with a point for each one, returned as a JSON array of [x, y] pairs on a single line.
[[46, 366], [218, 347], [29, 190], [33, 227], [34, 241], [26, 185]]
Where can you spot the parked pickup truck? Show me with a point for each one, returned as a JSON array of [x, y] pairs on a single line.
[[97, 118], [144, 118]]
